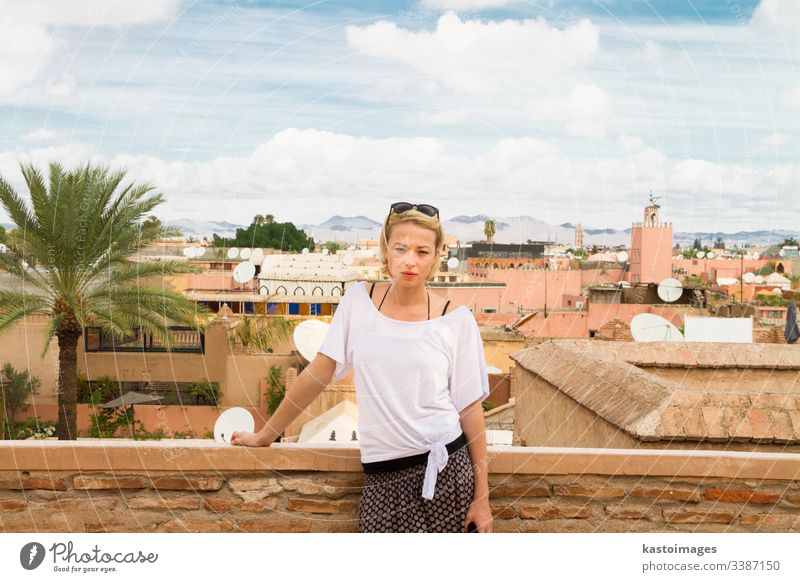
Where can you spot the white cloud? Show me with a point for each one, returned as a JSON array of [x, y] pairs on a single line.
[[466, 5], [61, 88], [790, 99], [773, 144], [781, 14], [586, 109], [313, 174], [468, 55], [27, 44], [41, 135], [446, 117], [630, 144]]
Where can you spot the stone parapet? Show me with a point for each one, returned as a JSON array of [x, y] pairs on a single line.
[[201, 486]]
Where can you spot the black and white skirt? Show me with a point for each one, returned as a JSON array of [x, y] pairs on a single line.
[[392, 500]]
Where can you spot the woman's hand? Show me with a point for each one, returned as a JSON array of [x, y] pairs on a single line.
[[250, 439], [480, 514]]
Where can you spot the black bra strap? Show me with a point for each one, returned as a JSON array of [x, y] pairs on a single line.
[[445, 306], [387, 292], [371, 289]]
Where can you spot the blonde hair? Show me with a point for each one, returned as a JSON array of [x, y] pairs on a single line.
[[428, 222]]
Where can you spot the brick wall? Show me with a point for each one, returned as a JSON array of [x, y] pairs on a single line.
[[201, 486]]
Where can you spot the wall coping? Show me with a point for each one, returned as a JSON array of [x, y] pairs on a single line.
[[202, 455]]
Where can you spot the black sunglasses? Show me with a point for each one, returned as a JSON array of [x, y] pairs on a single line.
[[426, 209]]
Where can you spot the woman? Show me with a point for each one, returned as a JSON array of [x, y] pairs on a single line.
[[420, 377]]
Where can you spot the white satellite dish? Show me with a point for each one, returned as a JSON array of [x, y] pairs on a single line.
[[245, 253], [324, 251], [647, 327], [257, 256], [3, 248], [453, 262], [233, 252], [670, 290], [748, 278], [754, 256], [711, 254], [244, 272], [188, 252], [305, 251], [759, 279], [348, 260], [308, 337], [782, 253], [701, 254], [777, 291], [622, 257], [230, 421]]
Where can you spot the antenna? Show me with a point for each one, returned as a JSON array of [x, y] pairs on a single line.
[[308, 337], [670, 290], [653, 199], [244, 272], [232, 420], [647, 327]]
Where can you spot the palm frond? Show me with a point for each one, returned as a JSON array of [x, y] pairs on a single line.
[[15, 305]]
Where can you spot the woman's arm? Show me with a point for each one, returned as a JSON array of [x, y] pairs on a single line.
[[306, 388], [475, 431]]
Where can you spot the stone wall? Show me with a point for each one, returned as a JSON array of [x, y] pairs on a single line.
[[201, 486]]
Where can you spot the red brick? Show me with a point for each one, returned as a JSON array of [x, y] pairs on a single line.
[[684, 516], [13, 505], [552, 511], [780, 401], [178, 525], [772, 521], [782, 426], [693, 425], [667, 493], [272, 526], [520, 490], [113, 482], [321, 506], [602, 492], [156, 502], [730, 495], [503, 512], [628, 512], [201, 483]]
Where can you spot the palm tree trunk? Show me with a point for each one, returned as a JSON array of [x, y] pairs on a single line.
[[67, 385]]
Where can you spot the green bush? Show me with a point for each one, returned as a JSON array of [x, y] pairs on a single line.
[[275, 390], [205, 393], [15, 388], [31, 428], [98, 390]]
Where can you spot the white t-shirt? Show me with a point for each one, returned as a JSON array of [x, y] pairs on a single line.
[[412, 378]]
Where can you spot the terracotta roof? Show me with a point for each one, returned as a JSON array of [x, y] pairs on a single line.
[[611, 379]]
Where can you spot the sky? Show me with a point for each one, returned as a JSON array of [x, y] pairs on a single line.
[[567, 111]]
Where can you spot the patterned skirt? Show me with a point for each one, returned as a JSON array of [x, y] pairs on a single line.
[[392, 500]]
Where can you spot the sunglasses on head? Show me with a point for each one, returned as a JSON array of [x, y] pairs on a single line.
[[426, 209]]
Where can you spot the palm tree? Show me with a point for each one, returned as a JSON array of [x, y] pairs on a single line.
[[259, 220], [79, 232], [489, 229]]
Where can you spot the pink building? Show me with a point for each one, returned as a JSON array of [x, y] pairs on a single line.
[[651, 247]]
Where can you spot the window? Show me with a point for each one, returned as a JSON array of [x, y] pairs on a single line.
[[489, 310]]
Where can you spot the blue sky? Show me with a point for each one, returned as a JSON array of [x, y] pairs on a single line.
[[566, 111]]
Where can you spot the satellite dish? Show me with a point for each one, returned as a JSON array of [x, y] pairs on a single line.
[[244, 272], [754, 256], [759, 279], [452, 263], [647, 327], [188, 252], [3, 248], [348, 260], [245, 253], [748, 278], [233, 252], [308, 337], [777, 291], [324, 251], [701, 254], [622, 256], [305, 251], [257, 256], [670, 290], [711, 254], [230, 421]]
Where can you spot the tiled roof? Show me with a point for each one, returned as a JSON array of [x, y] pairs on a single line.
[[611, 379]]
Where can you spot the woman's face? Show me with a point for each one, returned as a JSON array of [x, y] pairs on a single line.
[[411, 253]]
